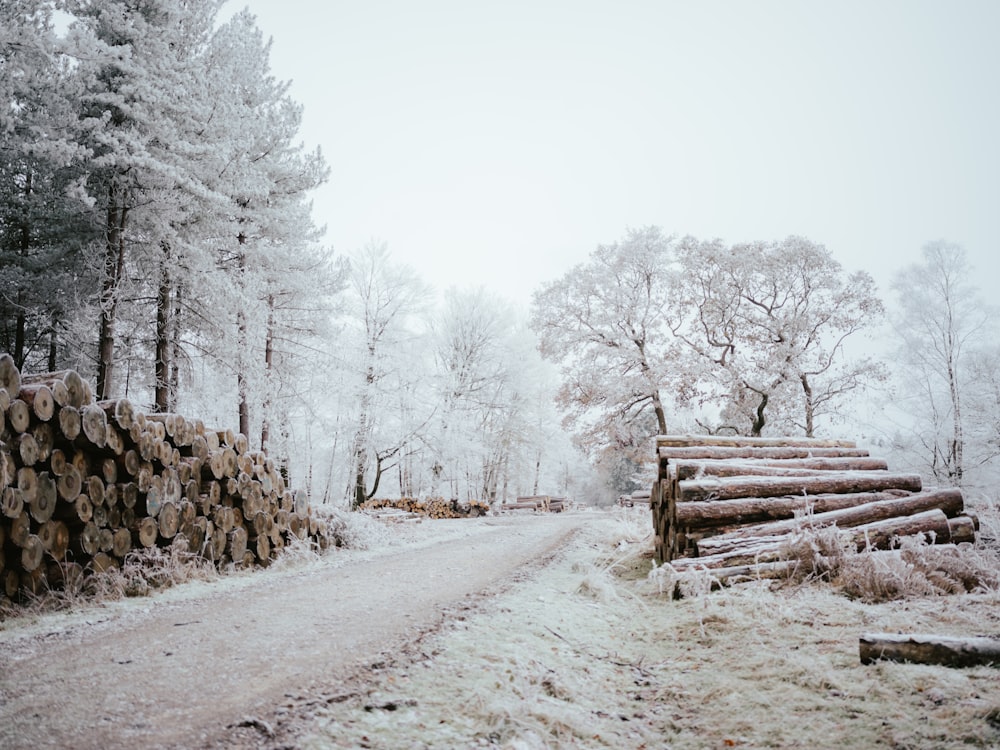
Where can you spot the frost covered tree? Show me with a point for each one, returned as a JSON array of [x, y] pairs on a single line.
[[944, 330], [267, 177], [384, 302], [604, 323], [39, 166], [766, 323]]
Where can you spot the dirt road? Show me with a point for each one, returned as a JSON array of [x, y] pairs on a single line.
[[177, 669]]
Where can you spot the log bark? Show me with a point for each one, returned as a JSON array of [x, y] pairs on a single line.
[[933, 525], [678, 441], [930, 649], [950, 501], [729, 488], [713, 452], [774, 467]]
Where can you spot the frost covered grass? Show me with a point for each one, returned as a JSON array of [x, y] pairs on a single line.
[[590, 654]]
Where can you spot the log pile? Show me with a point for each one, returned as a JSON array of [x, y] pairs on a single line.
[[433, 507], [85, 482], [538, 504], [729, 503]]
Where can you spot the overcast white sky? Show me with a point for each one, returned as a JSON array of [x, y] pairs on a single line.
[[497, 143]]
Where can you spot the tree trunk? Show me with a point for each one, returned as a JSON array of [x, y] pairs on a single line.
[[114, 264], [161, 364]]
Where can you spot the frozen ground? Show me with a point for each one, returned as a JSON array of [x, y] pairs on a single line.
[[566, 644]]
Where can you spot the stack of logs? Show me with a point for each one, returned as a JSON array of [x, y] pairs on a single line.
[[82, 483], [538, 503], [433, 507], [730, 503]]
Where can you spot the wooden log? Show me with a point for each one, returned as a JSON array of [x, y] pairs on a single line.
[[729, 488], [930, 649], [713, 452], [78, 391], [765, 467], [11, 502], [10, 375], [32, 552], [20, 528], [236, 543], [27, 449], [740, 441], [97, 490], [950, 501], [43, 504], [102, 562], [931, 524], [18, 416], [121, 542], [962, 529], [95, 425], [69, 421], [168, 519], [120, 411], [69, 484], [54, 536], [145, 531], [39, 397]]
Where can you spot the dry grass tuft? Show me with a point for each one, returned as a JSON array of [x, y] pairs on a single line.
[[353, 530]]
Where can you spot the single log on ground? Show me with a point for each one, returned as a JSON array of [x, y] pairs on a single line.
[[729, 488], [930, 649]]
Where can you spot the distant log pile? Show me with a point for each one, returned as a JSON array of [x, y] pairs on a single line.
[[729, 503], [83, 483], [433, 507], [538, 503], [639, 497]]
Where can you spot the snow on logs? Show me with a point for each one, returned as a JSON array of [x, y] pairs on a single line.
[[83, 483], [727, 503]]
